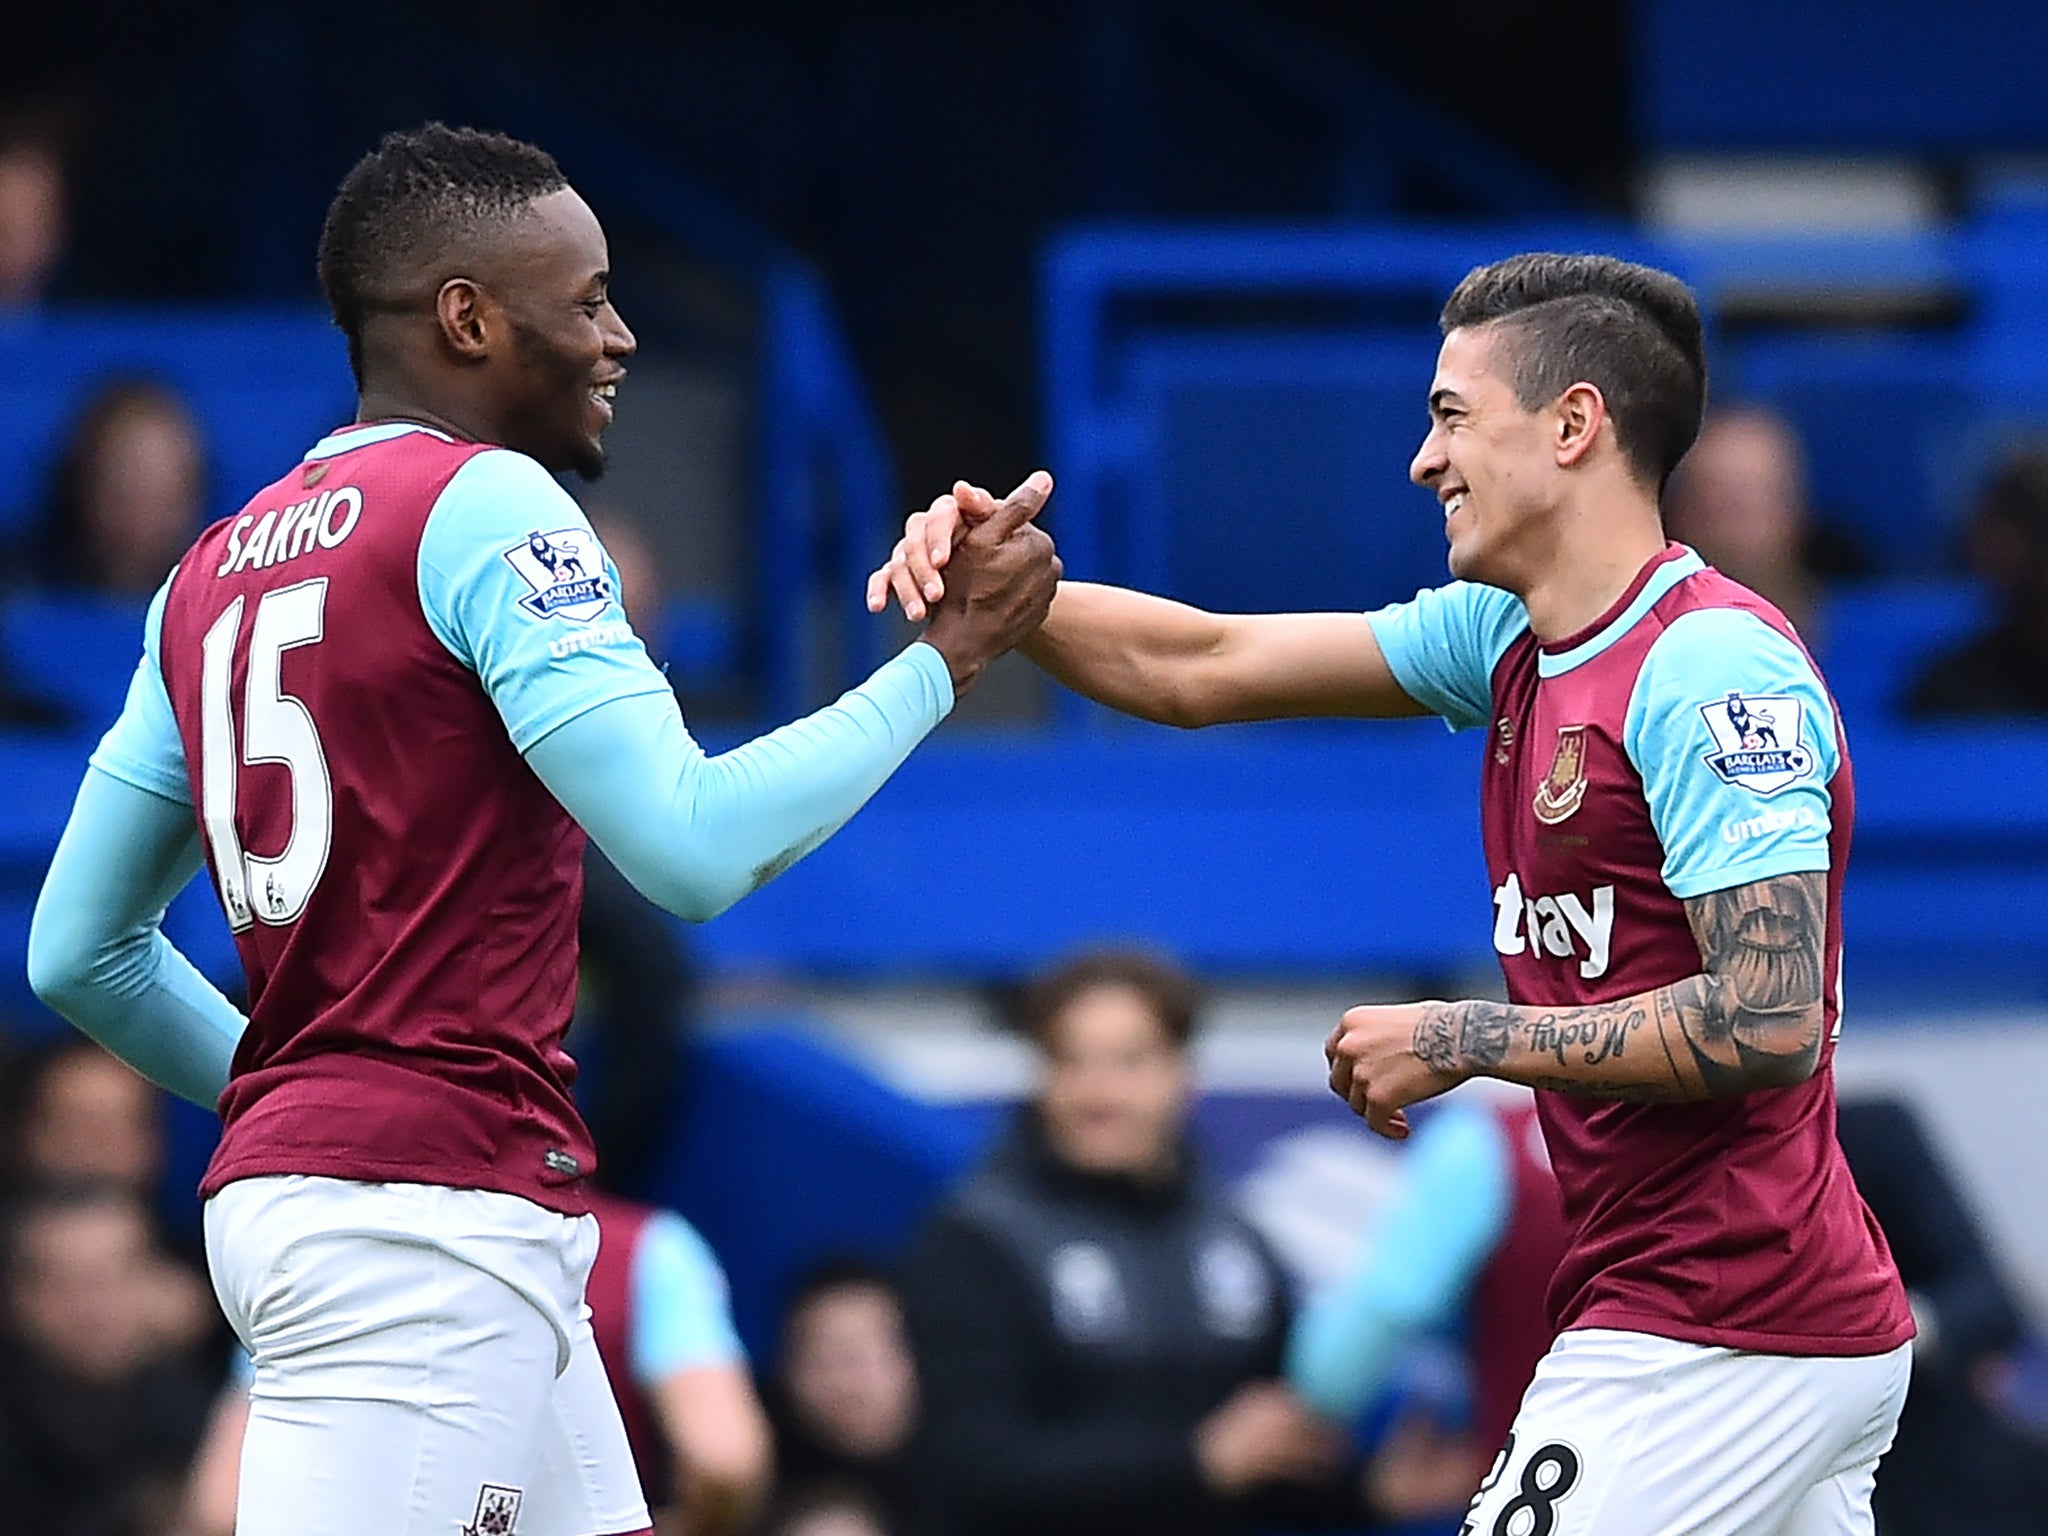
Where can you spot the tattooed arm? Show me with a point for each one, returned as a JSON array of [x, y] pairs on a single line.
[[1753, 1018]]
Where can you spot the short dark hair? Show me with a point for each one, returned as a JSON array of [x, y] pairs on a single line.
[[416, 191], [1170, 992], [1631, 331], [839, 1272]]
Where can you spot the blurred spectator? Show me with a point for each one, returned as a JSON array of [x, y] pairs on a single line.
[[83, 1116], [33, 217], [827, 1509], [100, 1402], [2004, 671], [632, 1013], [213, 1482], [641, 592], [1098, 1332], [845, 1397], [1739, 497], [130, 491], [1473, 1230], [660, 1309], [1958, 1465]]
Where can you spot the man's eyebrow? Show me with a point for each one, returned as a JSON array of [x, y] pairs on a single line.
[[1439, 398]]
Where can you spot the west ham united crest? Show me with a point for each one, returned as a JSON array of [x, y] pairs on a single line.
[[497, 1511], [1564, 787], [1757, 738]]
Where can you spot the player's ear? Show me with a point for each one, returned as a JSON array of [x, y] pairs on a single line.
[[1580, 412], [460, 307]]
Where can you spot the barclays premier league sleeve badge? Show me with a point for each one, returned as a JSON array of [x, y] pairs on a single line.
[[566, 571], [1757, 740]]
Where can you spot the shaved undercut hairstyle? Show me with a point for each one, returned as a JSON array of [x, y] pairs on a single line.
[[426, 191], [1630, 331]]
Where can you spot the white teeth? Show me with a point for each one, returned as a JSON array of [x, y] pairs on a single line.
[[1451, 507], [605, 391]]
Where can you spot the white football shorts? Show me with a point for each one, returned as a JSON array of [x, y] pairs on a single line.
[[424, 1363], [1625, 1434]]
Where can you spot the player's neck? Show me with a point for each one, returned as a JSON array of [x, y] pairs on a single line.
[[1592, 564], [381, 402]]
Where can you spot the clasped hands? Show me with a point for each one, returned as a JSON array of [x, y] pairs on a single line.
[[1002, 566]]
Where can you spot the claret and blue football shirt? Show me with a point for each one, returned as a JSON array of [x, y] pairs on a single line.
[[1682, 744]]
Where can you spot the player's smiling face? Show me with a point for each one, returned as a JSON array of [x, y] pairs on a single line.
[[1490, 464], [568, 343]]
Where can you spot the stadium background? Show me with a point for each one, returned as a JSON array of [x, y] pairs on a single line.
[[1186, 254]]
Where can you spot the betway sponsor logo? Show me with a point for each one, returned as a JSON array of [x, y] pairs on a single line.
[[1564, 926], [1766, 822]]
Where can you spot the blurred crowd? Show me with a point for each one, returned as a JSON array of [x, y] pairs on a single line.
[[1087, 1334]]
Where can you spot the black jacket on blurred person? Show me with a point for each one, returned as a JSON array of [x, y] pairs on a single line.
[[1957, 1467], [101, 1402], [1071, 1332], [95, 1459], [632, 1014]]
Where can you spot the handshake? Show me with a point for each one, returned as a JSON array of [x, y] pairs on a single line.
[[999, 574]]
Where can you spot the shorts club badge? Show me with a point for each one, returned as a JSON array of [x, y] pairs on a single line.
[[1758, 739], [1563, 788], [497, 1510], [565, 568]]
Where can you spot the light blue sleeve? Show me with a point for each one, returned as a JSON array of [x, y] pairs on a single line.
[[1436, 1233], [143, 746], [1735, 739], [1443, 645], [682, 1307], [96, 950], [515, 584], [695, 833]]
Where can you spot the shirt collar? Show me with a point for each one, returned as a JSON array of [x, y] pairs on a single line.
[[1658, 576], [363, 433]]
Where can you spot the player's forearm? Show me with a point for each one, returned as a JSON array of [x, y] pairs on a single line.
[[97, 956], [723, 1447], [1695, 1039], [1442, 1222], [1142, 655], [695, 833], [1753, 1017]]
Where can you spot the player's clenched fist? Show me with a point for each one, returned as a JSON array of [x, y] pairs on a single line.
[[1374, 1067]]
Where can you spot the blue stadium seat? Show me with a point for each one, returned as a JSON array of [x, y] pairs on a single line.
[[1874, 638], [74, 650], [1278, 471]]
